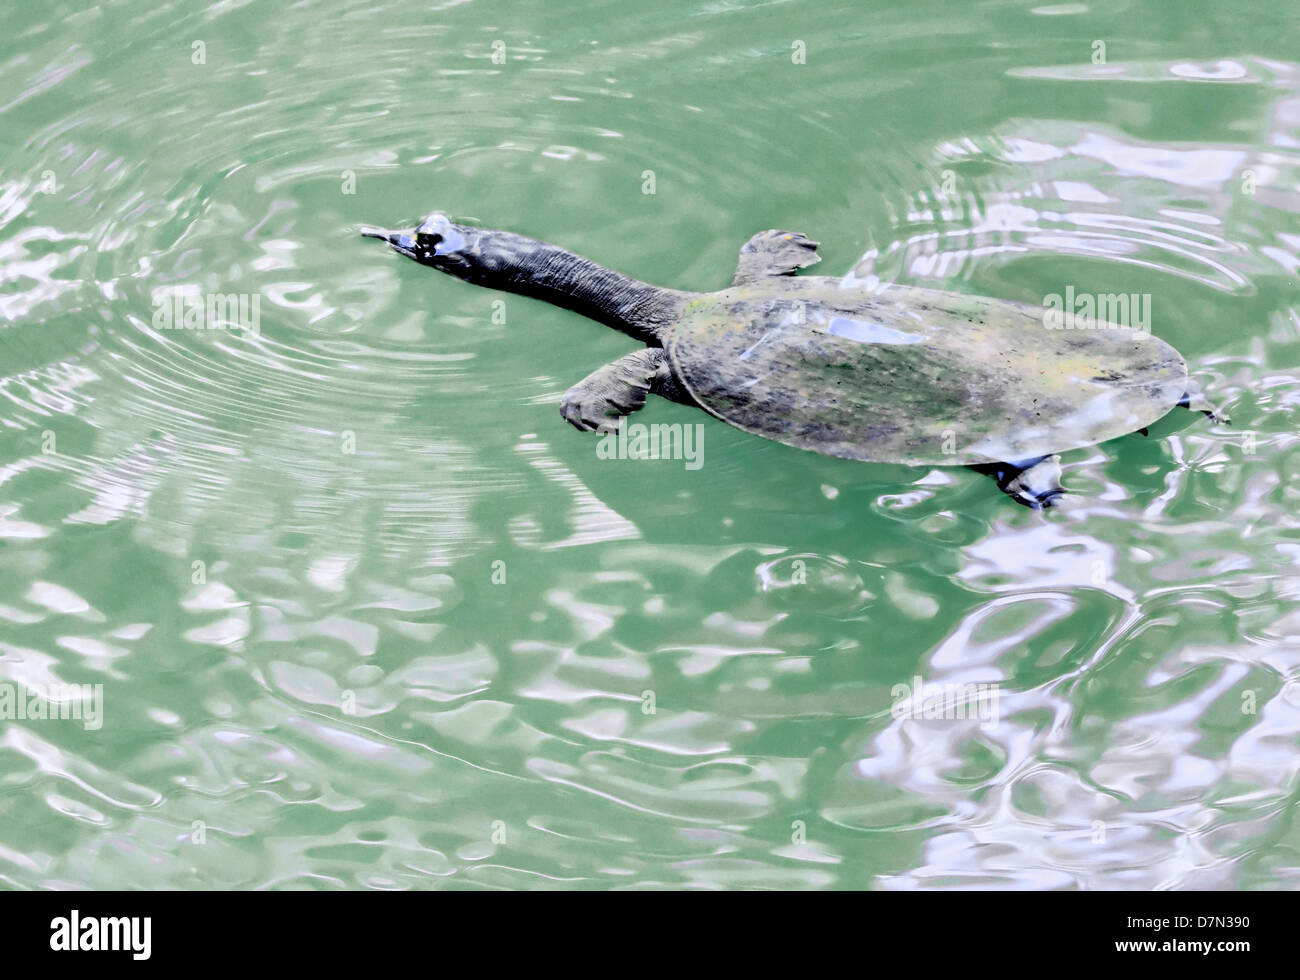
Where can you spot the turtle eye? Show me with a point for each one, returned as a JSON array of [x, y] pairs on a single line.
[[427, 239]]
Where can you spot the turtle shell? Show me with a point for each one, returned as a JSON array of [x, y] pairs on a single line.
[[917, 376]]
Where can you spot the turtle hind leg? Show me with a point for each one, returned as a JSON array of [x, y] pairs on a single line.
[[1195, 399], [600, 400], [1035, 483]]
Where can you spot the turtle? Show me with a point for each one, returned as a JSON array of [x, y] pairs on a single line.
[[904, 374]]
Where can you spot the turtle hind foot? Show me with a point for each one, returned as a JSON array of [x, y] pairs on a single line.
[[1033, 483], [1195, 400]]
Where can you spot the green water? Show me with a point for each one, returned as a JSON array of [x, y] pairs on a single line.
[[367, 614]]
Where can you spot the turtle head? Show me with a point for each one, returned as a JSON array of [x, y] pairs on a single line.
[[437, 242]]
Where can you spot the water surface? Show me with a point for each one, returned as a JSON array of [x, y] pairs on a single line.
[[368, 614]]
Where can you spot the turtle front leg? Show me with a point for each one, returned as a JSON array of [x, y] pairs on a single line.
[[602, 398], [1195, 400], [775, 253], [1035, 483]]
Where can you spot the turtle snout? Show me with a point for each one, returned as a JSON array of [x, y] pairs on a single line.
[[400, 241]]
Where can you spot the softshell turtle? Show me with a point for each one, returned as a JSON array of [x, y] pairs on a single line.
[[899, 375]]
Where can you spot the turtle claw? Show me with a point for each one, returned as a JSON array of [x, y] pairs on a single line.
[[1051, 498]]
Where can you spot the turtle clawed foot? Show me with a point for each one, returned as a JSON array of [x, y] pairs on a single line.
[[571, 412], [1035, 484], [1195, 400]]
